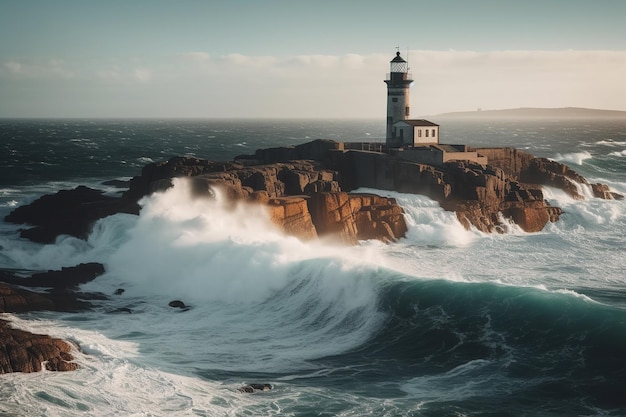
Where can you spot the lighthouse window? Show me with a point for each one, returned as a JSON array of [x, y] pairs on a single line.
[[406, 111]]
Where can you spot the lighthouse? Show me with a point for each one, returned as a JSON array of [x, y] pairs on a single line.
[[398, 109]]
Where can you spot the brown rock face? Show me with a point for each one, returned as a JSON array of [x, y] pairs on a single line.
[[303, 197], [479, 194], [353, 217], [21, 351], [529, 169], [530, 217], [292, 215], [603, 191]]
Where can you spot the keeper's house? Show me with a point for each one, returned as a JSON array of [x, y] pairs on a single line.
[[414, 132]]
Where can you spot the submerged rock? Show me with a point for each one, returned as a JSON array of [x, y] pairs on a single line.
[[121, 310], [252, 388], [179, 304]]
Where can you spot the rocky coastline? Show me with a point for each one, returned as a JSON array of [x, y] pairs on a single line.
[[308, 192]]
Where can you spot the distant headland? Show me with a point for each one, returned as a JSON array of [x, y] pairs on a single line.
[[537, 113]]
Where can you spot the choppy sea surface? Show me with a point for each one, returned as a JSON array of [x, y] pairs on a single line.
[[445, 322]]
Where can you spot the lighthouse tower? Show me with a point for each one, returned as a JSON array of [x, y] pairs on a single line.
[[398, 82]]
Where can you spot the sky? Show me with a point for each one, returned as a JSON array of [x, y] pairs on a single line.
[[305, 59]]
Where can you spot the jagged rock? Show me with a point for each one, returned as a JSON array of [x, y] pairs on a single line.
[[70, 212], [526, 168], [478, 193], [603, 191], [67, 277], [292, 215], [530, 217], [353, 217], [22, 351], [332, 215], [157, 176], [473, 214], [119, 291], [15, 300]]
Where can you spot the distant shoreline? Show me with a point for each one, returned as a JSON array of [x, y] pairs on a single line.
[[536, 113]]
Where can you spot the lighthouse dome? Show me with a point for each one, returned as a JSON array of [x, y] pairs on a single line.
[[398, 64]]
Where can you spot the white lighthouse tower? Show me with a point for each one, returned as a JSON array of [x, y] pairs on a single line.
[[398, 82]]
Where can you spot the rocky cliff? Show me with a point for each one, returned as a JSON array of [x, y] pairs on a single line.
[[303, 197], [528, 169], [307, 188]]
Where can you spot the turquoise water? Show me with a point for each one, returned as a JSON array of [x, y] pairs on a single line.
[[445, 322]]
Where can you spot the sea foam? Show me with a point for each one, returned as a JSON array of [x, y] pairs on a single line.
[[575, 158]]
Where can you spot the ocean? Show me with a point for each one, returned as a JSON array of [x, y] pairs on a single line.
[[444, 322]]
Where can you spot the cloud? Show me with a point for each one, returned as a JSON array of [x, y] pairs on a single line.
[[198, 84], [50, 69], [142, 75], [197, 56], [13, 67]]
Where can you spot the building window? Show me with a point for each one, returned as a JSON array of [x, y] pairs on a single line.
[[419, 133], [426, 132], [433, 133], [395, 99]]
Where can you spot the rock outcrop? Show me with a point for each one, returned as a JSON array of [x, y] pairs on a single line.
[[69, 212], [303, 197], [528, 169], [484, 197], [66, 278], [22, 351], [304, 189], [354, 217]]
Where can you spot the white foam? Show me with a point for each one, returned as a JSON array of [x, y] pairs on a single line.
[[427, 222], [575, 158], [611, 143], [619, 153], [258, 295], [111, 381]]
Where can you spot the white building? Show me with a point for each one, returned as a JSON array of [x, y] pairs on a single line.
[[414, 132]]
